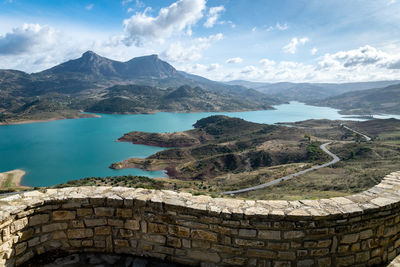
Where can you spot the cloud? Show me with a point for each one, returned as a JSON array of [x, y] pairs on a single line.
[[190, 51], [213, 15], [361, 57], [124, 2], [294, 43], [172, 19], [313, 51], [278, 26], [213, 67], [25, 39], [266, 62], [89, 7], [234, 60]]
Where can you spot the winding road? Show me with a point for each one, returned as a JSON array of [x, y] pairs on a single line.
[[291, 176]]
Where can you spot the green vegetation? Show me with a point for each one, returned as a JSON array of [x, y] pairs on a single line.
[[96, 84], [372, 101], [220, 145]]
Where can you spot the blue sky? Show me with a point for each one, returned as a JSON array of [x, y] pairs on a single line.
[[286, 40]]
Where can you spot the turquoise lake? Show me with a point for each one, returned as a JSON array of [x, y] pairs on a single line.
[[58, 151]]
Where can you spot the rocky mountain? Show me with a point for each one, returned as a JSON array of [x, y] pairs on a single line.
[[98, 84]]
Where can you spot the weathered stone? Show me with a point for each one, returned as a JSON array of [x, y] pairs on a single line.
[[247, 233], [249, 243], [205, 235], [157, 228], [104, 212], [179, 230], [269, 234], [204, 256], [124, 213], [116, 223], [54, 227], [293, 234], [350, 238], [79, 233], [38, 219], [132, 224], [59, 235], [95, 222], [62, 215], [84, 212], [102, 230], [121, 243]]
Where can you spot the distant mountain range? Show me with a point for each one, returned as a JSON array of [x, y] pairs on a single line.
[[361, 98], [372, 101], [147, 84], [308, 92], [98, 84]]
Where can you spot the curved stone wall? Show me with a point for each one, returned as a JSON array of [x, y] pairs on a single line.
[[361, 229]]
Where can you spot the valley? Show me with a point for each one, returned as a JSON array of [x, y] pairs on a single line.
[[199, 173]]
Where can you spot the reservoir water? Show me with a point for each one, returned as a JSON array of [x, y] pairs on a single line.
[[58, 151]]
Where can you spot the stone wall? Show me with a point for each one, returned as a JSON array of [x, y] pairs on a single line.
[[361, 229]]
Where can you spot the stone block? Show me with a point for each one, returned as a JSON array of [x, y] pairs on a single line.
[[157, 228], [95, 222], [79, 233], [54, 227], [204, 235], [249, 243], [62, 215], [204, 256], [102, 230], [293, 234], [132, 224], [269, 234], [180, 231], [38, 219], [84, 212], [104, 211], [124, 213], [350, 238], [247, 233]]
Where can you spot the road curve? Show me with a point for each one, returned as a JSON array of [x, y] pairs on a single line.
[[354, 131], [290, 176]]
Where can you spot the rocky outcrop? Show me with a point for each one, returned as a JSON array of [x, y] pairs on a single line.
[[361, 229]]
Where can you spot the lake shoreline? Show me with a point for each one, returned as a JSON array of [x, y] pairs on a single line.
[[89, 115], [16, 179]]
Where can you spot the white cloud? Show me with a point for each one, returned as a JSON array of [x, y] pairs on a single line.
[[361, 57], [279, 27], [27, 38], [213, 67], [313, 51], [266, 62], [294, 43], [190, 51], [213, 15], [172, 19], [391, 2], [124, 2], [89, 7], [234, 60]]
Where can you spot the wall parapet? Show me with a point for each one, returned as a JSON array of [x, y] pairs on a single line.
[[361, 229]]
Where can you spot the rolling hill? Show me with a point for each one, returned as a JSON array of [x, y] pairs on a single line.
[[381, 100]]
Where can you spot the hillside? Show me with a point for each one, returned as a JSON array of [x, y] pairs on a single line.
[[221, 145], [97, 84], [372, 101], [306, 92]]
